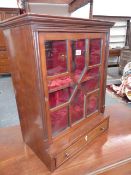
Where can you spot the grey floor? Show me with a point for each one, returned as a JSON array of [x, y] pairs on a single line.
[[8, 109], [113, 76]]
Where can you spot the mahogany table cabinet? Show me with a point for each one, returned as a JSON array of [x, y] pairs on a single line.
[[58, 68], [5, 13]]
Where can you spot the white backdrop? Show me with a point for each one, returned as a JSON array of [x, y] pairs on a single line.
[[101, 7], [112, 7], [106, 7], [8, 3]]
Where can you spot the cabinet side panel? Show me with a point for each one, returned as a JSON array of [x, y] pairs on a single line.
[[24, 71]]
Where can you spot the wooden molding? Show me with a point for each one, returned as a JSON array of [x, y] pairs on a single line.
[[63, 23], [76, 4]]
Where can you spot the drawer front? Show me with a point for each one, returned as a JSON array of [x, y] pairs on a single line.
[[70, 151], [98, 130], [3, 55], [84, 140], [4, 69], [4, 62]]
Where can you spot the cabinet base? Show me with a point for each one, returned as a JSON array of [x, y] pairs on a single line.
[[72, 143]]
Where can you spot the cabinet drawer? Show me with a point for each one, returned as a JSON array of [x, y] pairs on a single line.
[[84, 140], [4, 69], [4, 62], [98, 130], [3, 55]]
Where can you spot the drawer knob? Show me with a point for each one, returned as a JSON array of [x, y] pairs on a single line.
[[86, 138], [67, 155], [102, 128]]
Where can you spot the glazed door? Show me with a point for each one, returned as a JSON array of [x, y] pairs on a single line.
[[72, 66]]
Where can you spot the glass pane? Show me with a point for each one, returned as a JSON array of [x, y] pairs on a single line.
[[78, 57], [60, 96], [57, 83], [93, 72], [90, 85], [92, 101], [59, 120], [77, 106], [56, 57], [95, 51]]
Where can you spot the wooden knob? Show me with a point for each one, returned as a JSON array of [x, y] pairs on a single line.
[[86, 138], [66, 154], [102, 128]]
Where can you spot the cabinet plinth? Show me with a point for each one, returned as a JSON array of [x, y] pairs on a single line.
[[58, 67]]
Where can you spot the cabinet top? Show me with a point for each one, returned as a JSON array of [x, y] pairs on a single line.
[[46, 21]]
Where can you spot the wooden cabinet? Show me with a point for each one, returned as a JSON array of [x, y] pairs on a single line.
[[58, 68], [5, 13]]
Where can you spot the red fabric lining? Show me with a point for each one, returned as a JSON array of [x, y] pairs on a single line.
[[95, 51], [59, 120], [59, 97], [78, 60], [91, 84], [92, 103], [56, 61], [77, 107], [91, 73], [60, 82]]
